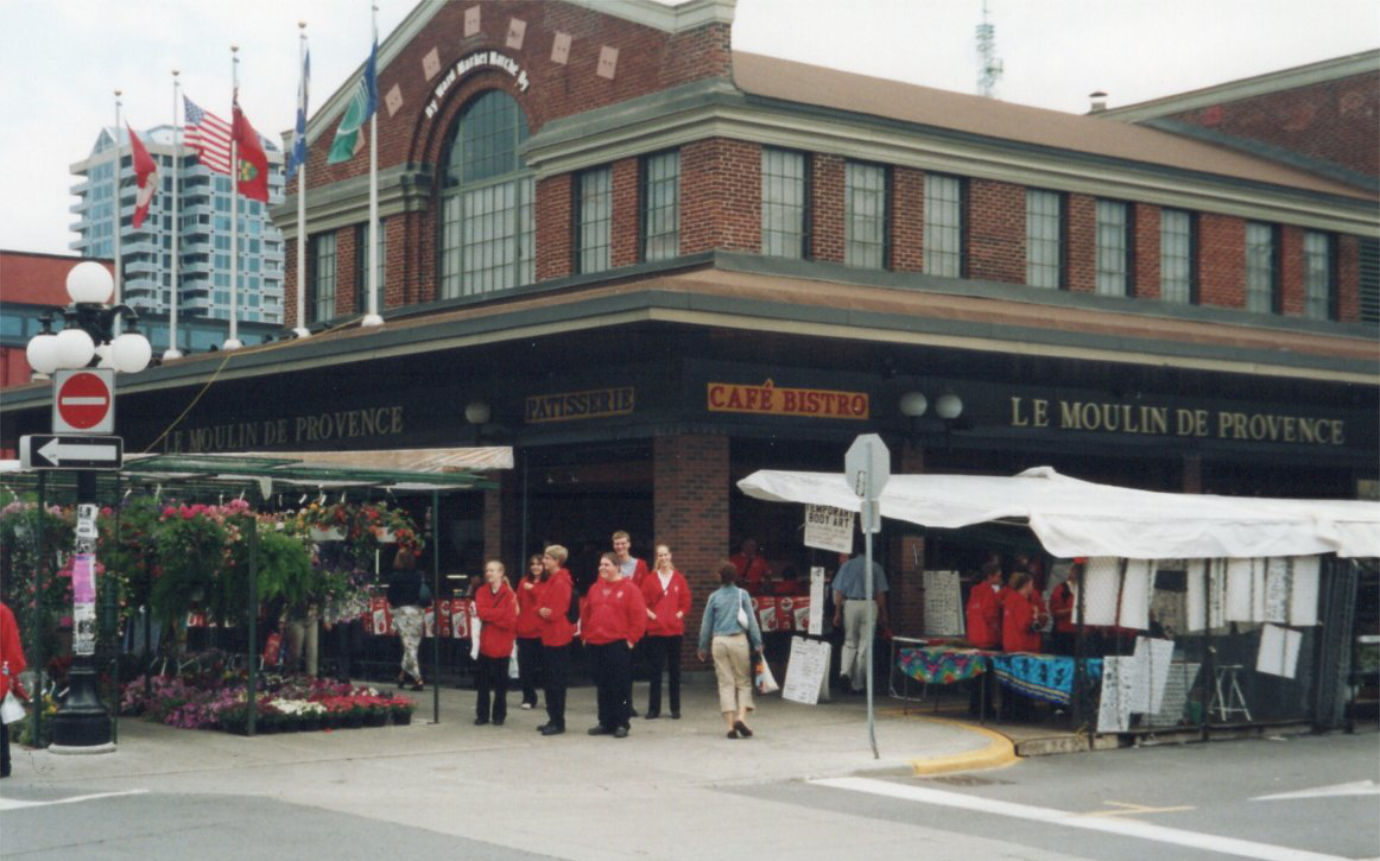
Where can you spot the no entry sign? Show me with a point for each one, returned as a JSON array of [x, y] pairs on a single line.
[[84, 401]]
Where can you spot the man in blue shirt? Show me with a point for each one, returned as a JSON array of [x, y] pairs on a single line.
[[851, 611]]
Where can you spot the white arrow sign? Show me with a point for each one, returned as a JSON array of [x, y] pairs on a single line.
[[71, 452]]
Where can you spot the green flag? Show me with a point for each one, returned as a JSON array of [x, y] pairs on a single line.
[[363, 103]]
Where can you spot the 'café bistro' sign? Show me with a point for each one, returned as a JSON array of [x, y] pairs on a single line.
[[1220, 424], [771, 399]]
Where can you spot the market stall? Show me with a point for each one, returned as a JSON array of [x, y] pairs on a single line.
[[1224, 605]]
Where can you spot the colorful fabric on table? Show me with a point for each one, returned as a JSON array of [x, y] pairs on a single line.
[[941, 665], [1044, 677]]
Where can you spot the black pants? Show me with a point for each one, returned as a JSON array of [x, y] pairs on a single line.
[[612, 664], [530, 665], [4, 751], [557, 664], [663, 652], [347, 643], [491, 676]]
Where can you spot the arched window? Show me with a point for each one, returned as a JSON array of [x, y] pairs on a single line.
[[486, 227]]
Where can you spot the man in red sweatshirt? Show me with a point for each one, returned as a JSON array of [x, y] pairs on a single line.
[[613, 619], [495, 606]]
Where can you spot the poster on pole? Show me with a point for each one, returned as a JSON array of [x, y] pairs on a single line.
[[1303, 591], [943, 604], [807, 671], [1279, 651], [1118, 691], [816, 623], [1153, 658], [828, 528]]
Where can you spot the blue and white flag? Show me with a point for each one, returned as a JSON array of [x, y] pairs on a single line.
[[298, 156]]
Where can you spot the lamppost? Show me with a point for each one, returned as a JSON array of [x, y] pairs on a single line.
[[88, 339]]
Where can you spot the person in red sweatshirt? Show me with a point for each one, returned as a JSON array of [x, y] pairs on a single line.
[[668, 600], [984, 631], [529, 631], [612, 620], [553, 600], [1018, 625], [495, 606], [11, 665]]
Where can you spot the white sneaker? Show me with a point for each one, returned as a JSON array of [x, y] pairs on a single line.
[[527, 706]]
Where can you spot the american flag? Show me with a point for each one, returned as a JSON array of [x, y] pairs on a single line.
[[209, 135]]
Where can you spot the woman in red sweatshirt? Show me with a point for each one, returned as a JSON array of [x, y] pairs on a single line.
[[529, 631], [495, 606], [1018, 626], [668, 600], [553, 600], [613, 619]]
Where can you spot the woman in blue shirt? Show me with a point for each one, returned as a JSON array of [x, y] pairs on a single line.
[[733, 644]]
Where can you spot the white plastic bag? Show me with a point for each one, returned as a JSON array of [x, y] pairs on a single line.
[[11, 710], [513, 672], [766, 682]]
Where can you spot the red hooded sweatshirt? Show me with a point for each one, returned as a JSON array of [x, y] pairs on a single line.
[[675, 598], [555, 595], [528, 622], [499, 614], [613, 611]]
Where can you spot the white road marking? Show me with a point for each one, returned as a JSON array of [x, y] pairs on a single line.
[[17, 804], [1067, 819], [1360, 787]]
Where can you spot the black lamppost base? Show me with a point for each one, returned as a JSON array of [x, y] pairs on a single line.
[[83, 720]]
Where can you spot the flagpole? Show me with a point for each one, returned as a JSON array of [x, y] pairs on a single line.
[[119, 220], [372, 318], [302, 331], [172, 352], [233, 342]]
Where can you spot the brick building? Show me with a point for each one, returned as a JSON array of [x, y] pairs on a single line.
[[653, 265]]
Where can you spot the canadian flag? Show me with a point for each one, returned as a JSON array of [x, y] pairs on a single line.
[[145, 176]]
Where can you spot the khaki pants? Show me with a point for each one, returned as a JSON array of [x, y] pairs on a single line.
[[857, 633], [733, 669]]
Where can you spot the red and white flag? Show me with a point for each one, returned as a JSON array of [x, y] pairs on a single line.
[[252, 179], [145, 177], [209, 135]]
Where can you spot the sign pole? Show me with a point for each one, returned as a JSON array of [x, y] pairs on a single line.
[[867, 466]]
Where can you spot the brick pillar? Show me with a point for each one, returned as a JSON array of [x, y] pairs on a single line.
[[906, 601], [1192, 473], [493, 525], [690, 501]]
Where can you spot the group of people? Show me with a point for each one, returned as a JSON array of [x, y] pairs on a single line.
[[629, 608]]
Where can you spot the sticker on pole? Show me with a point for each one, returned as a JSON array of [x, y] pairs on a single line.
[[84, 401]]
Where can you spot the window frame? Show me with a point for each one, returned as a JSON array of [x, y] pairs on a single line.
[[961, 203], [1329, 269], [316, 275], [1252, 267], [805, 238], [1126, 255], [644, 207], [1061, 249], [884, 215], [578, 248], [1191, 259]]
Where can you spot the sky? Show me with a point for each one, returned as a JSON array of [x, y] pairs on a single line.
[[62, 60]]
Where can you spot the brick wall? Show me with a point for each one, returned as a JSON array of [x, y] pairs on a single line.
[[1221, 261], [907, 220], [996, 231], [1080, 243], [1337, 121], [691, 480], [1348, 278], [1291, 270], [627, 217], [1145, 259], [721, 196], [826, 179], [555, 236]]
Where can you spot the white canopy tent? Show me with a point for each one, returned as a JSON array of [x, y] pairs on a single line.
[[1071, 517]]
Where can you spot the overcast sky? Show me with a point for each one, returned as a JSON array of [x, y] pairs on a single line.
[[61, 60]]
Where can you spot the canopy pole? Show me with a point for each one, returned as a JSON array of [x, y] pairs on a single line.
[[872, 636], [253, 680], [435, 597]]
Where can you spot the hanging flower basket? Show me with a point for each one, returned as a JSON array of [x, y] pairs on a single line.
[[385, 535], [332, 534]]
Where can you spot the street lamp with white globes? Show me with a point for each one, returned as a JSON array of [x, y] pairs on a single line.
[[90, 329]]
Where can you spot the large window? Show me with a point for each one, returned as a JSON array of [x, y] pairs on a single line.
[[785, 203], [1044, 239], [594, 211], [322, 276], [944, 217], [865, 215], [1262, 269], [1113, 248], [1319, 300], [661, 206], [362, 265], [1177, 251], [486, 201]]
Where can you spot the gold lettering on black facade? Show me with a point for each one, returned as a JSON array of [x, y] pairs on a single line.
[[1124, 418], [313, 428]]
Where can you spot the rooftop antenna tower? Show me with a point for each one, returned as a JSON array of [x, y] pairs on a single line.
[[991, 69]]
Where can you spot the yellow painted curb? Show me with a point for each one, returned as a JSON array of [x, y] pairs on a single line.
[[998, 753]]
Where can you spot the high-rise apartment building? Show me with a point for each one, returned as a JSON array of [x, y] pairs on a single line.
[[204, 212]]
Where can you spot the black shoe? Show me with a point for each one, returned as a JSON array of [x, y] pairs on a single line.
[[552, 730], [632, 712], [651, 715], [543, 727], [621, 732], [498, 721], [480, 721], [599, 730], [675, 715], [742, 729]]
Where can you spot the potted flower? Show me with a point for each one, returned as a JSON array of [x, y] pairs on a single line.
[[400, 709]]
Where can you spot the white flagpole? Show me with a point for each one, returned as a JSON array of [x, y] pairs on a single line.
[[172, 352], [302, 331], [233, 342], [119, 216], [372, 318]]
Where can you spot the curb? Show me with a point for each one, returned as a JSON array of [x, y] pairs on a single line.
[[998, 753]]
